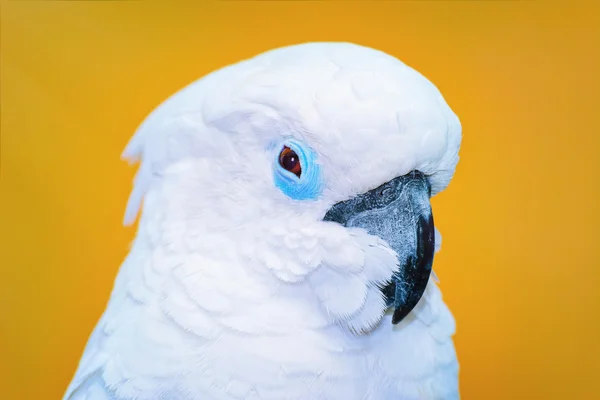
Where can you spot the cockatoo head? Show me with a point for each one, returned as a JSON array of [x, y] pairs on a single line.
[[311, 132]]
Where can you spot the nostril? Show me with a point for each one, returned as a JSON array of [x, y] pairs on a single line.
[[385, 192]]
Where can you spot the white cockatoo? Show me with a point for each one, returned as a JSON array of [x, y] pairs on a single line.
[[286, 239]]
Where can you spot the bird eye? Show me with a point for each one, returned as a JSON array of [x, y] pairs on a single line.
[[290, 161], [297, 158]]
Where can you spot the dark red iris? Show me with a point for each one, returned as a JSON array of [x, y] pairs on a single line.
[[290, 161]]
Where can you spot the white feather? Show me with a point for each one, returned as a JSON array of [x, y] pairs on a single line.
[[233, 290]]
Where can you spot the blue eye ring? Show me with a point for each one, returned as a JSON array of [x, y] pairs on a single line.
[[303, 181]]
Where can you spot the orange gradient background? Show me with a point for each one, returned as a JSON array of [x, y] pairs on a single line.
[[519, 265]]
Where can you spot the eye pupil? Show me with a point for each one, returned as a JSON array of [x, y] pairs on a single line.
[[289, 160]]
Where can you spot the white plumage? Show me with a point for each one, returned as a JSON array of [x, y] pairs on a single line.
[[233, 290]]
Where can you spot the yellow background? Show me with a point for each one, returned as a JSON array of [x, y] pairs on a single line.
[[519, 264]]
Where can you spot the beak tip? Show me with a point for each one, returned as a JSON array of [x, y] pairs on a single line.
[[399, 314]]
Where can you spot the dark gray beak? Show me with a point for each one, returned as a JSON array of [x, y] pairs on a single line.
[[399, 212]]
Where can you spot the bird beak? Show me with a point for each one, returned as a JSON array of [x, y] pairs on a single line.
[[399, 212]]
